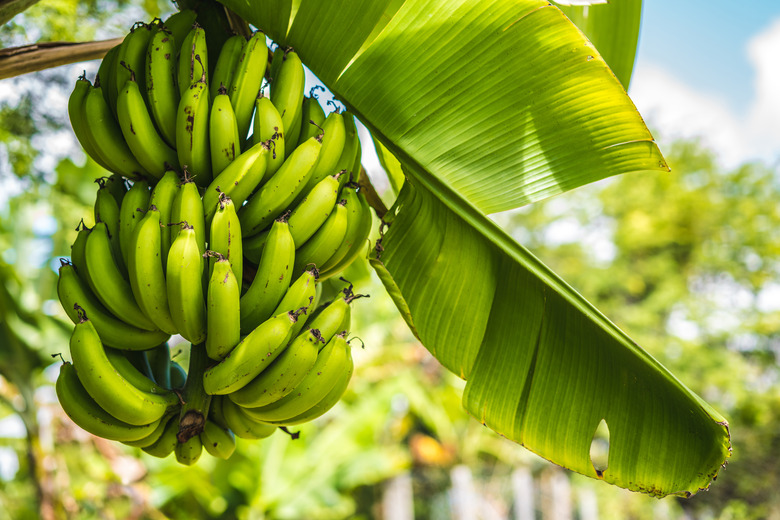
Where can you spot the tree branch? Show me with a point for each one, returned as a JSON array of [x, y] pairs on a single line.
[[15, 61]]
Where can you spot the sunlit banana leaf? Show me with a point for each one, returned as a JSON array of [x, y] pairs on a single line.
[[613, 27], [489, 106]]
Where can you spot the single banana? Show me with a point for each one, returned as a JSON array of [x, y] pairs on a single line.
[[330, 399], [126, 369], [79, 122], [145, 269], [106, 75], [283, 375], [89, 416], [114, 332], [189, 452], [107, 210], [335, 316], [184, 285], [287, 96], [276, 62], [223, 323], [104, 130], [251, 356], [351, 152], [312, 212], [271, 280], [280, 190], [188, 207], [238, 180], [332, 362], [105, 384], [193, 59], [223, 132], [192, 132], [163, 194], [77, 255], [225, 238], [359, 221], [161, 89], [131, 212], [357, 166], [160, 364], [268, 127], [180, 24], [333, 138], [117, 185], [107, 282], [254, 245], [226, 63], [138, 360], [324, 243], [302, 296], [152, 437], [248, 80], [167, 442], [178, 375], [131, 58], [312, 118], [242, 425], [139, 131], [219, 442]]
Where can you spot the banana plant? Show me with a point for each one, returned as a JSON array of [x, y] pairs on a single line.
[[485, 107]]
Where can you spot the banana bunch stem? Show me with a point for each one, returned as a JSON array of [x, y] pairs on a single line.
[[196, 402]]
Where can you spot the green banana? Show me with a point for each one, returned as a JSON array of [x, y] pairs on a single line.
[[77, 256], [332, 362], [139, 131], [72, 291], [108, 283], [226, 64], [333, 139], [192, 132], [355, 172], [131, 59], [239, 179], [145, 269], [180, 24], [131, 212], [166, 443], [105, 384], [302, 296], [351, 152], [184, 285], [283, 375], [268, 127], [254, 245], [79, 123], [105, 132], [160, 364], [223, 323], [89, 416], [107, 210], [225, 238], [126, 369], [312, 118], [334, 316], [161, 89], [106, 75], [117, 185], [250, 357], [287, 96], [324, 243], [271, 280], [152, 437], [223, 131], [276, 62], [219, 442], [312, 212], [193, 59], [280, 190], [189, 452], [242, 425], [188, 207], [163, 194], [248, 80], [178, 375], [359, 221]]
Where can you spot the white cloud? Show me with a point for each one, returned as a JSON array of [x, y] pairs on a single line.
[[678, 110]]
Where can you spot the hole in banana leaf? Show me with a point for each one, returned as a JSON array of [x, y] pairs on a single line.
[[599, 448]]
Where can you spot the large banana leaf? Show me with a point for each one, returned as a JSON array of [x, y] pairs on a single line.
[[489, 106]]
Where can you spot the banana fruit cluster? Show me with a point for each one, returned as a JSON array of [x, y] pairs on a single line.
[[215, 235]]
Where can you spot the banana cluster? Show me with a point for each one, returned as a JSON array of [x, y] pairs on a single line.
[[206, 232]]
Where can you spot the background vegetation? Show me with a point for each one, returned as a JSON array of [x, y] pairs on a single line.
[[686, 261]]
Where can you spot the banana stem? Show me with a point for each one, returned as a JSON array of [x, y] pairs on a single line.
[[196, 400], [372, 197]]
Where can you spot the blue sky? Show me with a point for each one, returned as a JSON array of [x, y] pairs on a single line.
[[711, 69]]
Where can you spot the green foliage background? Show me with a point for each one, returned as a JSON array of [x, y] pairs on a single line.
[[684, 260]]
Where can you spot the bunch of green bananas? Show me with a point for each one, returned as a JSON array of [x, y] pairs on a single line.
[[206, 233]]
